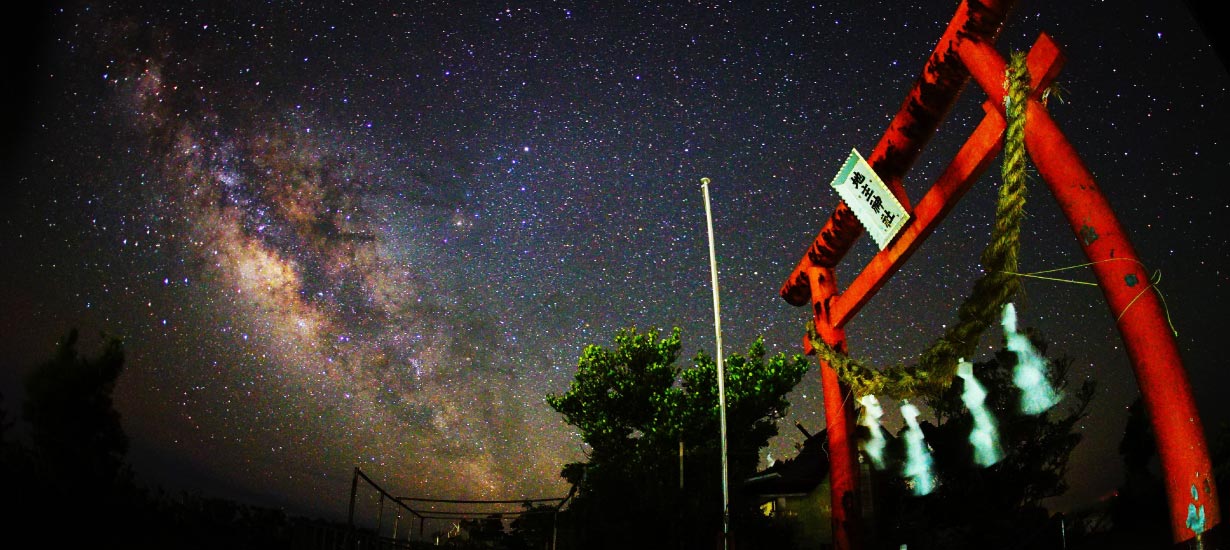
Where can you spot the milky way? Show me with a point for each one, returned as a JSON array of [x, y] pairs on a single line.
[[300, 261], [292, 230], [337, 236]]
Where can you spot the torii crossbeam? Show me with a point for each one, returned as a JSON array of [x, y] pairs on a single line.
[[967, 49]]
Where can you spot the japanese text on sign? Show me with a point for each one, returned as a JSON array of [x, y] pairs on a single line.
[[873, 204]]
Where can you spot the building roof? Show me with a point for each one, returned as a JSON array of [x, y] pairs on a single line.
[[794, 476]]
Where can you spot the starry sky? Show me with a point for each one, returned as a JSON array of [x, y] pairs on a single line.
[[377, 234]]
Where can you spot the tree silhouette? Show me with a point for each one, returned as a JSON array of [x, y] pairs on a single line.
[[78, 444], [533, 529], [14, 461], [1000, 506], [486, 532], [1137, 517], [67, 479], [74, 426], [1139, 510]]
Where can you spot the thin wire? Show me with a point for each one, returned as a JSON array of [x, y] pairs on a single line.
[[1057, 279], [1156, 278], [1153, 282]]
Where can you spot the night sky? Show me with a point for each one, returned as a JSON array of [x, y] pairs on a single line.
[[378, 234]]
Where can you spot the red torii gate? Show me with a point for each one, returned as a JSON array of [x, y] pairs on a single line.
[[966, 49]]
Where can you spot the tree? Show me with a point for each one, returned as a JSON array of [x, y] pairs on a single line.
[[533, 528], [1000, 506], [79, 445], [1221, 461], [14, 461], [66, 479], [1139, 510], [6, 424], [1138, 515], [635, 409], [487, 532], [73, 423]]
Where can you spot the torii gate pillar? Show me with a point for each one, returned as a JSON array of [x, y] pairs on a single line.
[[964, 49]]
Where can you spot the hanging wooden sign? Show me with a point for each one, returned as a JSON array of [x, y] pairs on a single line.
[[873, 204]]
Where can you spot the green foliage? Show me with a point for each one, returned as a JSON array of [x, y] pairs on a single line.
[[624, 392], [635, 408]]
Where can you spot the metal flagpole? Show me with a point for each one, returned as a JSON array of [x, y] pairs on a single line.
[[721, 367]]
